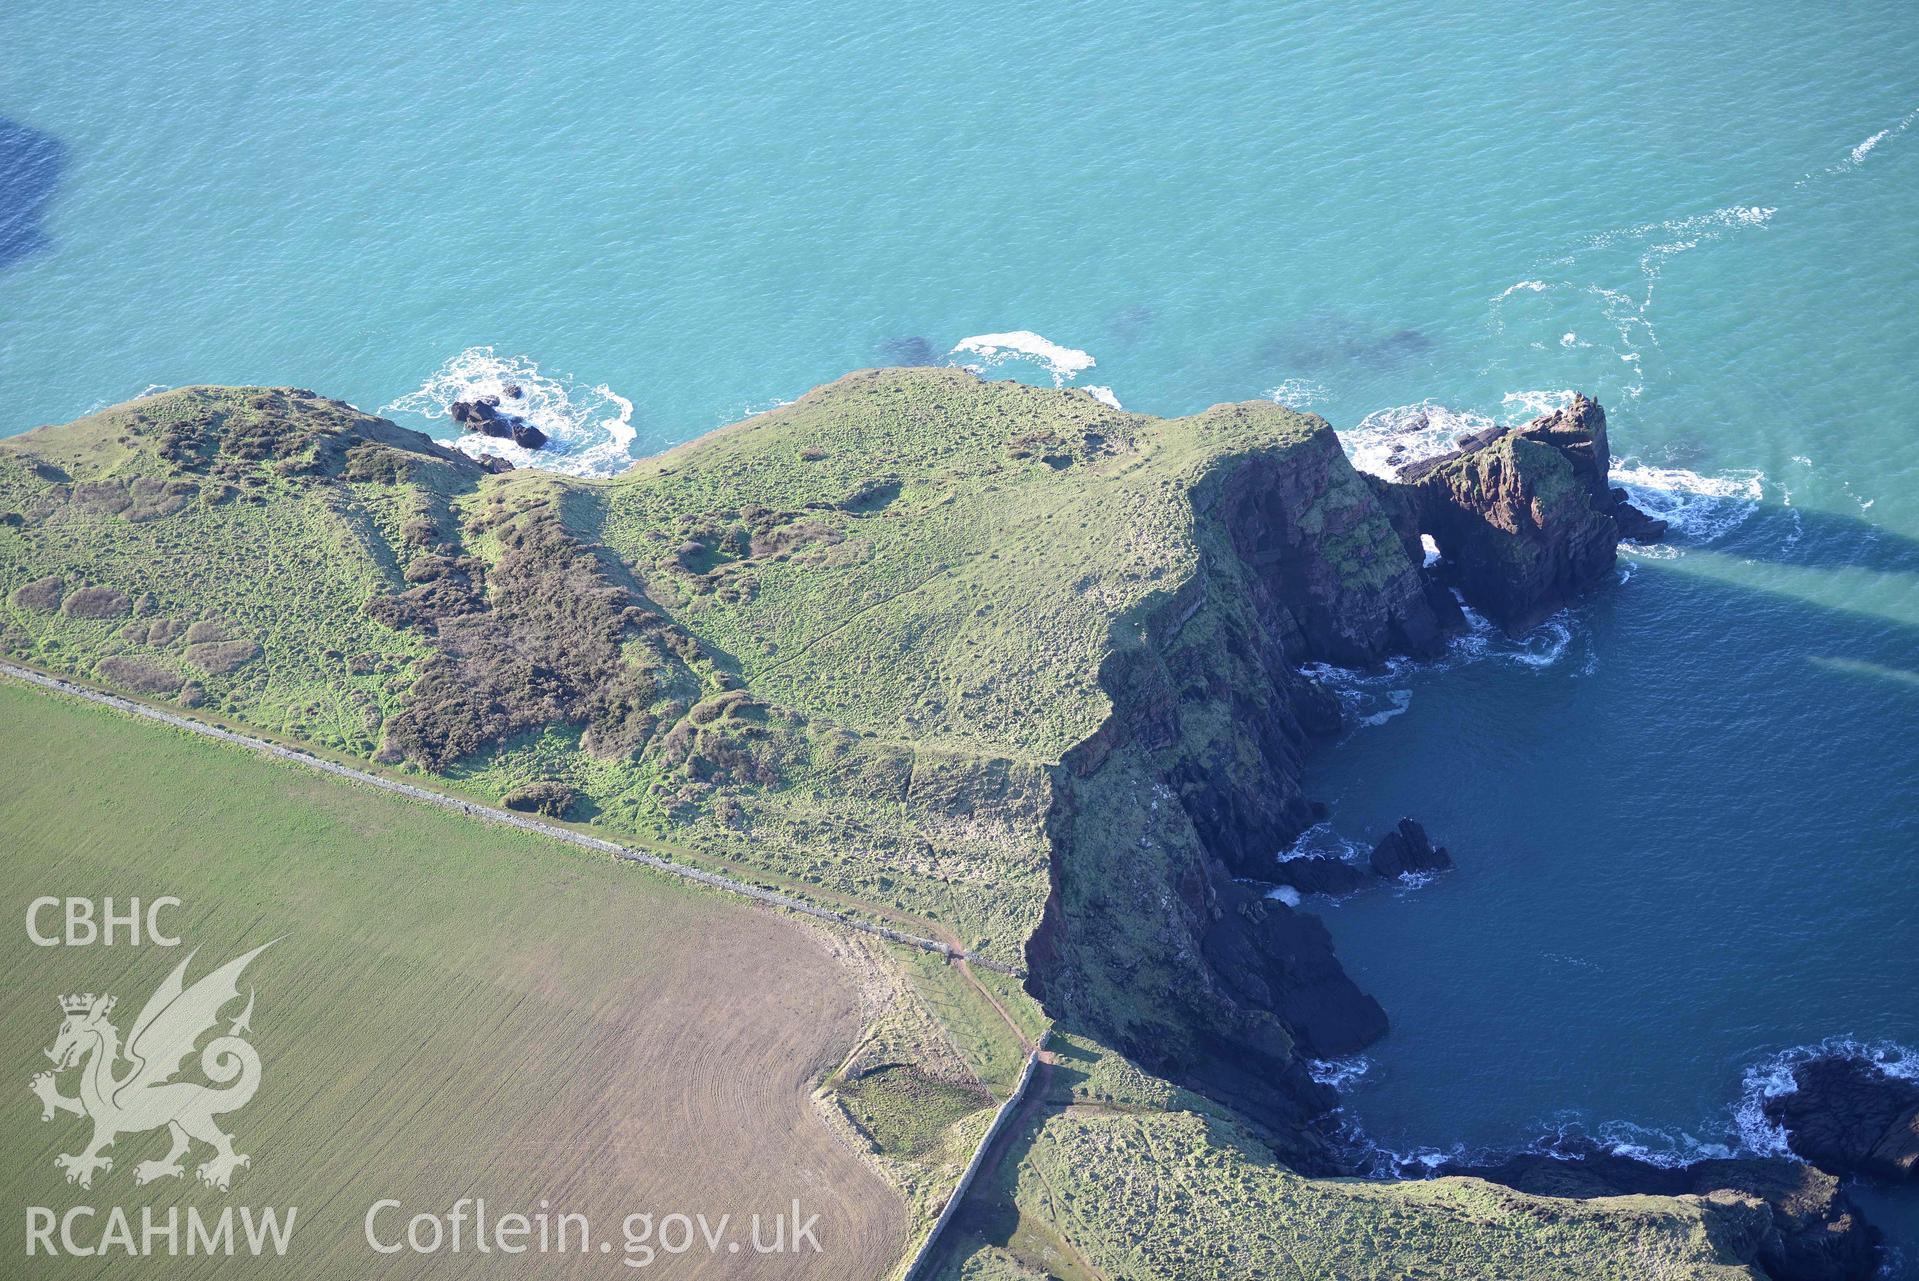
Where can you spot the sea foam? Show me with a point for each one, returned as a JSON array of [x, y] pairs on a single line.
[[1063, 363], [1772, 1077], [1341, 1072], [1864, 148], [1697, 509], [1298, 393], [1387, 440], [589, 428]]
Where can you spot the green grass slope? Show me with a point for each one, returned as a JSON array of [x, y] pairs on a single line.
[[840, 642], [1125, 1176]]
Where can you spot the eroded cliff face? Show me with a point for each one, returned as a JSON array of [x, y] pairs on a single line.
[[1806, 1227], [1167, 823], [1155, 935]]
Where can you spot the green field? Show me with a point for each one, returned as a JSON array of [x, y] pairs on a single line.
[[452, 1008]]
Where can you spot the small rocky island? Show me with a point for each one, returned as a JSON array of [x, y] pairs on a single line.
[[484, 415]]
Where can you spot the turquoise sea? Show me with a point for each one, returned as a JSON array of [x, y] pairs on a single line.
[[1683, 814]]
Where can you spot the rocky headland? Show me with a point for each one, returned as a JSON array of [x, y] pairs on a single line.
[[1304, 561], [1850, 1115], [1808, 1229], [997, 657]]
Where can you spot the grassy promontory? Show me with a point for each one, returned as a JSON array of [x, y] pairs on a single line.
[[998, 659]]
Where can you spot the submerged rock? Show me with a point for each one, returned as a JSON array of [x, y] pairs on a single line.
[[1849, 1116], [1321, 874]]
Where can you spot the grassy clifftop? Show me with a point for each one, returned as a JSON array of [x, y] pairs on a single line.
[[842, 641], [918, 554]]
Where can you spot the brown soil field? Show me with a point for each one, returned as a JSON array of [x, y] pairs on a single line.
[[452, 1010]]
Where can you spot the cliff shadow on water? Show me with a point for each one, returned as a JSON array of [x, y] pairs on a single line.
[[1161, 937], [1672, 883], [1821, 540]]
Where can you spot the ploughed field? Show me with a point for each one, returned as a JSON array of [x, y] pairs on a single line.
[[452, 1010]]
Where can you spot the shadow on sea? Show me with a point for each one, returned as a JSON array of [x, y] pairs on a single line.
[[1820, 540], [31, 165], [1802, 667]]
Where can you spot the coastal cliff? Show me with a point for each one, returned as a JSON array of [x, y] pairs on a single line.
[[1001, 659], [1189, 792]]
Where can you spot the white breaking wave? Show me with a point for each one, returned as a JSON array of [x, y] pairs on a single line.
[[1399, 699], [1540, 648], [1285, 894], [151, 389], [1321, 841], [1749, 1132], [1370, 697], [1063, 363], [753, 409], [1387, 440], [1698, 509], [1864, 148], [1298, 393], [1105, 396], [1339, 1073], [1770, 1078], [589, 429]]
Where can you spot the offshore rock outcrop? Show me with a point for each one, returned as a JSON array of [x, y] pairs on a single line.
[[1849, 1116], [1407, 850], [485, 416], [1525, 520], [1404, 851], [1166, 824]]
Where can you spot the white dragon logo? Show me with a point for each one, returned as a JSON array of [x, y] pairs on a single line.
[[147, 1097]]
